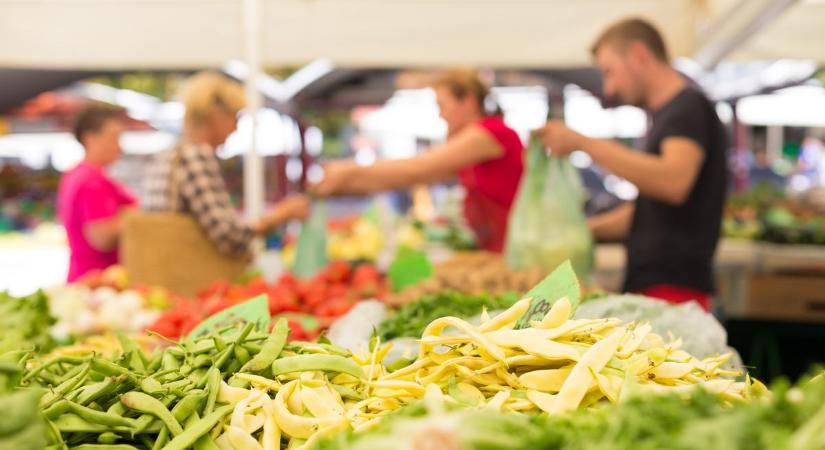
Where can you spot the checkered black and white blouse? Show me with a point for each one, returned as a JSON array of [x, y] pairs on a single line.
[[200, 191]]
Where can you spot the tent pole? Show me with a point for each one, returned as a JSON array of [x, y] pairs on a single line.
[[739, 23], [253, 170]]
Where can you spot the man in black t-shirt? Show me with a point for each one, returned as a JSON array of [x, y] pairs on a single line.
[[672, 230]]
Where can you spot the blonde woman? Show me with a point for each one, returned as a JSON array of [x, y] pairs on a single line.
[[188, 180]]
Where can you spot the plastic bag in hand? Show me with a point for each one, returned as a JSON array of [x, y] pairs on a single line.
[[547, 224]]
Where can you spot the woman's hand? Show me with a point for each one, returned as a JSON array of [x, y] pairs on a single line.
[[335, 180], [292, 207]]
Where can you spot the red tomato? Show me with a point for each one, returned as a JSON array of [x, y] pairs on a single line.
[[282, 299], [338, 271], [287, 280], [302, 288], [216, 289], [190, 324], [165, 328], [316, 294], [365, 273], [257, 284], [338, 290], [338, 307], [297, 332], [215, 305]]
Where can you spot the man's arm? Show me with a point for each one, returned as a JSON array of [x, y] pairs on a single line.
[[613, 225], [668, 177]]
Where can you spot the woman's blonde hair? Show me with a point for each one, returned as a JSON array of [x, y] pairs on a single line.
[[206, 92], [463, 82]]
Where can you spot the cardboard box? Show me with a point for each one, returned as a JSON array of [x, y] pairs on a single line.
[[786, 297]]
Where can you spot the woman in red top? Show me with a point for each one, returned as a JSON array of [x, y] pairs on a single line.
[[485, 154]]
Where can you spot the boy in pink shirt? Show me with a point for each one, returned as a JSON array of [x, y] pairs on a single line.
[[89, 203]]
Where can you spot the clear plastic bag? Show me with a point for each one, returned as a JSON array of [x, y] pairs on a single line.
[[702, 335], [354, 329], [547, 224]]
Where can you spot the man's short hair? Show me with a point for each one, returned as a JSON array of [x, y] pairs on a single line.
[[92, 118], [623, 33]]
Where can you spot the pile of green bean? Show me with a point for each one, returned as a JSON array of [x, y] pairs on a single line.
[[167, 401]]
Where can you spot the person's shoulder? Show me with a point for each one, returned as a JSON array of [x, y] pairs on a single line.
[[198, 156], [694, 96], [496, 126], [93, 184], [493, 123], [87, 175]]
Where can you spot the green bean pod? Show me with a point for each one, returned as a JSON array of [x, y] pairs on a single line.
[[213, 385], [108, 438], [64, 388], [271, 349], [100, 417], [104, 447], [198, 429], [326, 363], [147, 404], [95, 391]]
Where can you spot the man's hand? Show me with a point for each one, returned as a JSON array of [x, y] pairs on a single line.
[[559, 139]]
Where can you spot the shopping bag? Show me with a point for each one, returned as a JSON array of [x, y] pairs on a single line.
[[172, 250], [311, 251], [547, 224]]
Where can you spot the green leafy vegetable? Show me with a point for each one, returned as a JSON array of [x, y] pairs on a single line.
[[25, 322], [411, 319]]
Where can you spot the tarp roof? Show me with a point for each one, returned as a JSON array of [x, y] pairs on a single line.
[[185, 34]]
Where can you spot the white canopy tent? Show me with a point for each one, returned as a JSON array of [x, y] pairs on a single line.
[[170, 34], [140, 34]]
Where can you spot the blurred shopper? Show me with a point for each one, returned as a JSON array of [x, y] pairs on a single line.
[[188, 179], [485, 154], [90, 203], [672, 229]]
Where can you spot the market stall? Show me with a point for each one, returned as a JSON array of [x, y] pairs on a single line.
[[395, 321]]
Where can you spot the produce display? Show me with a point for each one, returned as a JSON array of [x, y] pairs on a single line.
[[793, 418], [26, 323], [472, 273], [26, 214], [411, 319], [327, 295], [103, 303], [792, 224], [243, 388], [359, 240], [766, 214], [452, 233], [349, 239], [108, 345]]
